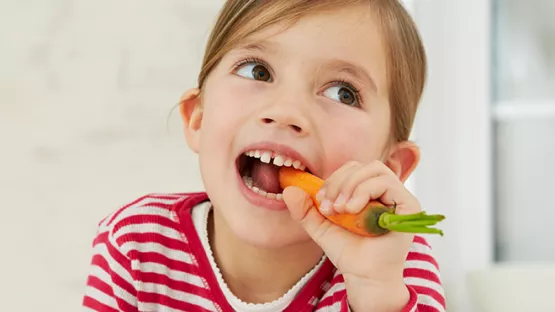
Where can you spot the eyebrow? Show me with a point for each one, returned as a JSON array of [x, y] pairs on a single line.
[[350, 69], [258, 46]]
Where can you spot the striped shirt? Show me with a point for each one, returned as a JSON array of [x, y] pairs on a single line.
[[149, 256]]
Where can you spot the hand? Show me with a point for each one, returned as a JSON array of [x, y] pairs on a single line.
[[372, 267]]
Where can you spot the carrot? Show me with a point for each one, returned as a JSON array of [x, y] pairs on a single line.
[[374, 220]]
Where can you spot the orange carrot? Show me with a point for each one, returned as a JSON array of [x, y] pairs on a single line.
[[374, 220]]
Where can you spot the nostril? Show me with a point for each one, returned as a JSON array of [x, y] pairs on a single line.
[[297, 128], [267, 120]]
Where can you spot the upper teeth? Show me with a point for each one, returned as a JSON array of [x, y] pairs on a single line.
[[278, 160]]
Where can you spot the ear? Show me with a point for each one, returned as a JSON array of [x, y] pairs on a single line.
[[191, 114], [403, 159]]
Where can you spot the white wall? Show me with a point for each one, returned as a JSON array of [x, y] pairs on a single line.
[[85, 91], [453, 128]]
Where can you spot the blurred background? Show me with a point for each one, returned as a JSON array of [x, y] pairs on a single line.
[[87, 90]]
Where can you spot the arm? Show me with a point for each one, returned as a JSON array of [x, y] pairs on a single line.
[[422, 280], [110, 281]]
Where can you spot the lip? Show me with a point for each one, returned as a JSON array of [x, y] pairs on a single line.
[[263, 201], [259, 200]]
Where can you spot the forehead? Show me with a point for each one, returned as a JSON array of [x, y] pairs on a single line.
[[347, 39]]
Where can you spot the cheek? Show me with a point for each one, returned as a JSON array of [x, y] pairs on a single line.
[[225, 108], [359, 137]]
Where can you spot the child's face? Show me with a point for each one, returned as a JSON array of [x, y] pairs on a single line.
[[316, 92]]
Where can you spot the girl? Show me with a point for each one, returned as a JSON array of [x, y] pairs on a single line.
[[328, 86]]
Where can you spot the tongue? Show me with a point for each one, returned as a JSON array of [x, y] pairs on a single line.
[[266, 177]]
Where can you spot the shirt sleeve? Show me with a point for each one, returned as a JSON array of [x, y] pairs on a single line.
[[110, 281], [421, 276]]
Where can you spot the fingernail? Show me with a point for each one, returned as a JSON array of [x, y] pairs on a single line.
[[340, 201], [320, 195], [325, 207]]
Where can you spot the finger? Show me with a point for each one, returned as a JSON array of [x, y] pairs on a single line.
[[355, 178], [329, 194], [331, 238], [388, 190], [330, 185], [373, 188]]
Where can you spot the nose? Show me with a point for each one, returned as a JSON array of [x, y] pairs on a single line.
[[290, 119]]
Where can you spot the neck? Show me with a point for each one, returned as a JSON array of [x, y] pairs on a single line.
[[257, 275]]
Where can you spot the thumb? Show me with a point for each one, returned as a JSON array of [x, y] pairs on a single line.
[[302, 210], [298, 202]]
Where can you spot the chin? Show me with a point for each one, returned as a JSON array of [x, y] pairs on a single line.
[[265, 230]]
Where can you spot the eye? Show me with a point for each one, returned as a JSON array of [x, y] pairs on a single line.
[[343, 94], [255, 71]]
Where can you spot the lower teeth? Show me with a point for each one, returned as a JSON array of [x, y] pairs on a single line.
[[249, 184]]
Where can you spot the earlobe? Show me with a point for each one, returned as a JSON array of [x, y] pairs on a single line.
[[403, 159], [191, 114]]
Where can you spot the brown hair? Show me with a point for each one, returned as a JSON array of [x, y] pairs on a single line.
[[406, 63]]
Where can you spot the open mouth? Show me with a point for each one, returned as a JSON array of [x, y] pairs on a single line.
[[259, 170]]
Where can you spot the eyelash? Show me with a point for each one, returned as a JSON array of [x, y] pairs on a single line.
[[350, 86], [249, 60], [341, 82]]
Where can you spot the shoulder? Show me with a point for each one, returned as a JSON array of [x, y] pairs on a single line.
[[150, 218]]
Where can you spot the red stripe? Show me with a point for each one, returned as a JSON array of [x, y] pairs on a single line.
[[95, 305], [183, 286], [146, 219], [101, 238], [154, 257], [102, 262], [421, 240], [117, 213], [148, 297], [331, 300], [168, 196], [421, 273], [116, 279], [413, 300], [100, 285], [426, 308], [422, 290], [418, 256]]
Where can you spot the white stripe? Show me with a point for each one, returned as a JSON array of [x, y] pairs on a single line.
[[149, 199], [101, 297], [151, 267], [417, 281], [331, 308], [420, 248], [101, 274], [104, 223], [142, 228], [428, 300], [145, 207], [335, 288], [102, 250], [173, 254], [145, 202], [88, 309], [161, 289], [423, 265]]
